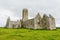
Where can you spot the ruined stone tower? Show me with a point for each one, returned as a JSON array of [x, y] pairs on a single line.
[[25, 14]]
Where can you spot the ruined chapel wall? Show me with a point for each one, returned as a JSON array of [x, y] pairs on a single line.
[[52, 23], [29, 23], [45, 22]]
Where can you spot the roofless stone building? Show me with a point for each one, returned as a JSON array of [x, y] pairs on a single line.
[[38, 22]]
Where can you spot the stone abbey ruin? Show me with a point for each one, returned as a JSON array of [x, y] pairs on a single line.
[[38, 22]]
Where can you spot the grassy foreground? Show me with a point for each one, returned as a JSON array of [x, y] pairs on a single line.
[[27, 34]]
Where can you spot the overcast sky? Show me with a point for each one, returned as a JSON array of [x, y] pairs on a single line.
[[13, 8]]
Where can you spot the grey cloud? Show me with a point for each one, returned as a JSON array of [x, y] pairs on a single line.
[[34, 6]]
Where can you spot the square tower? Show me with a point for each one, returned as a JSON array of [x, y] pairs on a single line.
[[25, 14]]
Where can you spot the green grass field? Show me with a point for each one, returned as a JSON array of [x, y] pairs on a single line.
[[27, 34]]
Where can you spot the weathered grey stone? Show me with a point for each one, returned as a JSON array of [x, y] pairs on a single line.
[[45, 21], [25, 14], [38, 22], [7, 23], [52, 22]]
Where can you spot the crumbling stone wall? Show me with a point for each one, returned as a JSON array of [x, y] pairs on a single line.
[[37, 21], [13, 24], [29, 24], [52, 22], [45, 21]]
